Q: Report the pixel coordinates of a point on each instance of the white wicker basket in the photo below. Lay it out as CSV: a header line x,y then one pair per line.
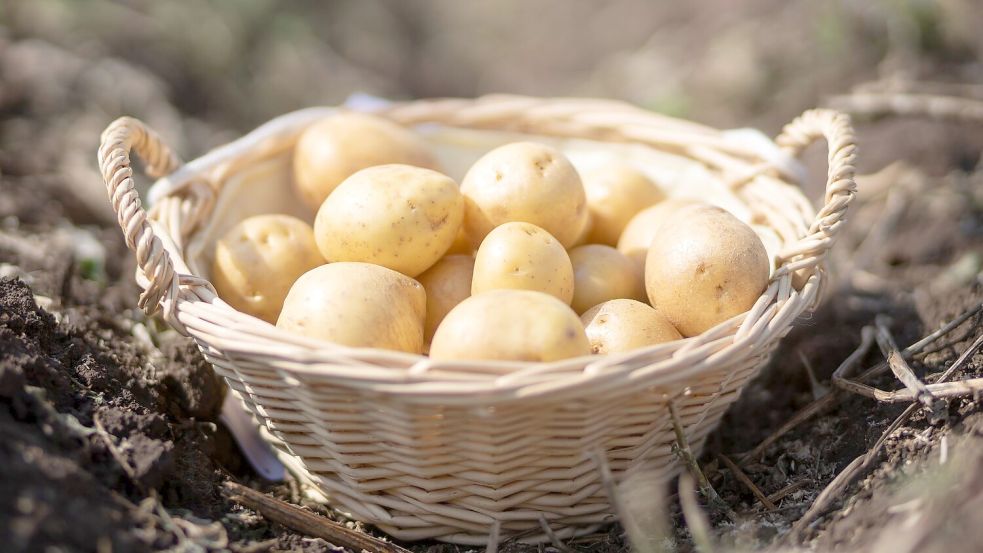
x,y
453,450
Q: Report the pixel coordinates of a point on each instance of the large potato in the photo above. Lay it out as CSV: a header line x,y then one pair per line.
x,y
527,182
359,305
522,256
514,325
615,193
623,325
258,260
397,216
447,284
638,233
333,149
602,273
704,267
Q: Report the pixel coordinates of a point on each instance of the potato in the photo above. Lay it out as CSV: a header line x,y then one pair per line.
x,y
359,305
525,182
333,149
447,284
602,273
637,236
522,256
258,260
615,193
513,325
397,216
623,325
704,267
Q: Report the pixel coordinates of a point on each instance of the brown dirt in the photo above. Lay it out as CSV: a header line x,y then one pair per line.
x,y
149,478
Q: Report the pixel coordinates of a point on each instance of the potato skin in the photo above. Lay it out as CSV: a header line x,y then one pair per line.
x,y
615,193
638,233
359,305
512,325
527,182
338,146
258,260
398,216
704,267
602,273
622,325
447,284
522,256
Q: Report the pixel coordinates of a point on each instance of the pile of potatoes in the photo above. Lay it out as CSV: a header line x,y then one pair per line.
x,y
525,260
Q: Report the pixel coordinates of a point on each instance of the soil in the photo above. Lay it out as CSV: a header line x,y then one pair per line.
x,y
109,430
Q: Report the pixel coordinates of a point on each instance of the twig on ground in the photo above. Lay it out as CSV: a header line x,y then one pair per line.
x,y
492,546
107,438
686,454
861,463
743,479
818,390
696,521
788,490
885,340
304,522
832,399
895,103
554,540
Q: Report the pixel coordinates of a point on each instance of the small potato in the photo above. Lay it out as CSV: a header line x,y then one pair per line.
x,y
704,267
359,305
447,283
602,273
401,217
258,260
333,149
622,325
615,193
513,325
522,256
637,236
527,182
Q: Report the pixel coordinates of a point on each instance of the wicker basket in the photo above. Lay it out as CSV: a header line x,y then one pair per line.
x,y
458,450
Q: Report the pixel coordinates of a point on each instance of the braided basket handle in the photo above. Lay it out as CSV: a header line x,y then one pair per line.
x,y
836,128
122,136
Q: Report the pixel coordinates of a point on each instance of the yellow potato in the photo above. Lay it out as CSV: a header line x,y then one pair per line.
x,y
514,325
637,236
258,260
622,325
461,245
447,283
333,149
522,256
401,217
615,193
359,305
704,267
602,273
527,182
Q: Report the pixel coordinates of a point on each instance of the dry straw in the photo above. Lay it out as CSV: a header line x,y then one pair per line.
x,y
454,450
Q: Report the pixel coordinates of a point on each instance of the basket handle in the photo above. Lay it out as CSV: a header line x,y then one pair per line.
x,y
809,252
119,138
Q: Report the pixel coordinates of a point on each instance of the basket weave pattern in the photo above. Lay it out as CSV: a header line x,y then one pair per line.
x,y
456,450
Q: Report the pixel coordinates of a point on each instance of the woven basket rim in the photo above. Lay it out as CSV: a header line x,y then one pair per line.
x,y
190,304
